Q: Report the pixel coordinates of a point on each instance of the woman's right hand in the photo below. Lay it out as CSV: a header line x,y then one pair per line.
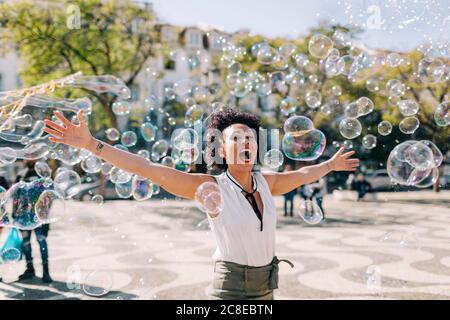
x,y
77,136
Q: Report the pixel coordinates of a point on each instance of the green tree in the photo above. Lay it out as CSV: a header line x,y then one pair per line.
x,y
57,38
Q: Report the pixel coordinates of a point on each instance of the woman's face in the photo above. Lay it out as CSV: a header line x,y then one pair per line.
x,y
239,147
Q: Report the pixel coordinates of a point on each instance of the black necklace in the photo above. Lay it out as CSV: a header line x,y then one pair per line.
x,y
250,197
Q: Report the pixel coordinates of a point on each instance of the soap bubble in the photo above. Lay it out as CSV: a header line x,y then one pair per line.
x,y
43,169
185,138
148,131
7,156
128,139
66,182
118,176
67,154
182,87
384,128
97,283
394,59
310,212
408,107
112,134
442,114
49,207
336,90
298,124
98,199
365,106
288,105
121,108
369,141
319,46
429,180
144,154
208,198
313,99
420,156
304,145
124,190
437,154
159,149
350,128
409,125
395,88
432,70
266,54
142,188
10,255
373,85
273,158
351,110
91,164
194,115
168,161
287,49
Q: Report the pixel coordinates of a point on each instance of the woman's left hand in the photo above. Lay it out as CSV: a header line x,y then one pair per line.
x,y
341,162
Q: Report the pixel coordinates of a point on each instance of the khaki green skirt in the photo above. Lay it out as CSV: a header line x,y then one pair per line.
x,y
234,281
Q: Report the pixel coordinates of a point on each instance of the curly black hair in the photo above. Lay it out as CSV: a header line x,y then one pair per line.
x,y
222,120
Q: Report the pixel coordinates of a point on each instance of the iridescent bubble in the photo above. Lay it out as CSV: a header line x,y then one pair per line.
x,y
128,139
394,59
159,149
169,94
350,128
408,107
67,154
241,86
185,138
91,164
287,49
288,105
442,114
429,180
310,212
148,131
97,283
365,106
112,134
208,198
301,60
304,145
144,154
348,144
66,183
142,188
313,99
151,103
420,156
118,176
273,158
409,125
10,255
298,124
50,207
334,66
319,46
121,108
373,85
234,67
384,128
194,115
106,168
369,141
345,63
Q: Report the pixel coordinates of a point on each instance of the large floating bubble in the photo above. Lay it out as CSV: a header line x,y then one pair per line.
x,y
73,105
103,84
97,283
304,146
43,169
412,163
67,183
208,198
310,212
273,158
7,156
185,138
91,164
409,125
408,107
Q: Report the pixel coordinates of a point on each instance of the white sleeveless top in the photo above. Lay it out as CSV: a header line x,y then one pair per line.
x,y
237,228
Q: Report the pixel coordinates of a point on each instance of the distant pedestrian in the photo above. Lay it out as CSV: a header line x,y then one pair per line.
x,y
362,186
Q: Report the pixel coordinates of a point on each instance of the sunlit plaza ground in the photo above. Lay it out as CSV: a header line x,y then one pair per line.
x,y
395,248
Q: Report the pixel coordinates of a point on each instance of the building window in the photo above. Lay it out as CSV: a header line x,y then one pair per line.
x,y
169,64
194,39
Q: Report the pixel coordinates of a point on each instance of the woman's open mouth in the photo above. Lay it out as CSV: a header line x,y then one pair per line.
x,y
245,156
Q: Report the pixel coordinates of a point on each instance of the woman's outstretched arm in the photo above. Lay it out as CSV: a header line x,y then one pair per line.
x,y
178,183
283,182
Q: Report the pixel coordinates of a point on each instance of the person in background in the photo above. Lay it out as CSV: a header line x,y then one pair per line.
x,y
41,232
5,185
319,191
289,196
350,181
362,186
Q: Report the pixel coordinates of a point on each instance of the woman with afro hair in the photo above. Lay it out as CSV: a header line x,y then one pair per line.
x,y
246,266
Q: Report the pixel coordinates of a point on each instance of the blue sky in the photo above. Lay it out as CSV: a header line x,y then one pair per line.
x,y
404,23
